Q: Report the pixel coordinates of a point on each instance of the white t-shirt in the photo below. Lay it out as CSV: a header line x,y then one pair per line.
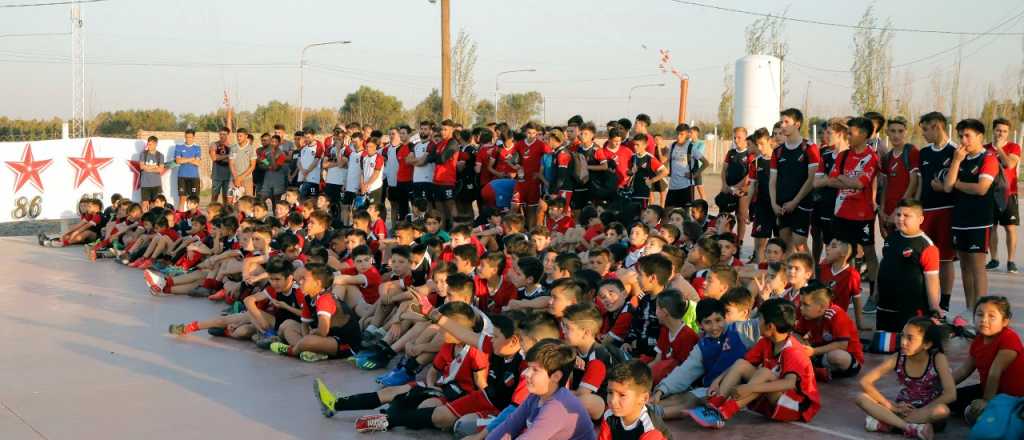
x,y
371,164
425,173
308,156
337,175
355,171
679,177
391,165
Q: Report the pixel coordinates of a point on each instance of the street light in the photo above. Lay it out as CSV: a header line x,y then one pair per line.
x,y
629,98
302,62
496,79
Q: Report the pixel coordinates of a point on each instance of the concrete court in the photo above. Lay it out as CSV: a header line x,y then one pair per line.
x,y
87,356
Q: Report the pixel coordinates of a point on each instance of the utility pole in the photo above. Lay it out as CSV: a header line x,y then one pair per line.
x,y
956,81
77,129
807,103
446,61
684,86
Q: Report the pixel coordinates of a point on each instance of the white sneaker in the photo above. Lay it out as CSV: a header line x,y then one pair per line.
x,y
155,281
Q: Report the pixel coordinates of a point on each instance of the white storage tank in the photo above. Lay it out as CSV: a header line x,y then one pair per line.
x,y
757,92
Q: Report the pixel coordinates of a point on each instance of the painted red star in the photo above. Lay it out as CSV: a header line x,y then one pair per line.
x,y
88,166
136,168
28,169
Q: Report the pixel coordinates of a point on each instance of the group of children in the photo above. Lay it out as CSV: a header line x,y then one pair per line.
x,y
577,328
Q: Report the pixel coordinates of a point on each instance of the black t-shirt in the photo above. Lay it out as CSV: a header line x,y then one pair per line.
x,y
642,169
762,173
825,198
975,211
932,164
792,168
901,284
736,165
644,330
502,379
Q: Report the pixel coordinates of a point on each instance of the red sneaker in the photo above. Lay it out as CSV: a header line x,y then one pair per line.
x,y
372,423
146,264
219,296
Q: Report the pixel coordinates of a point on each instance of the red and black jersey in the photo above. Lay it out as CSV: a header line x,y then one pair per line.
x,y
676,346
897,169
503,156
737,165
563,175
934,163
321,305
503,375
445,170
845,284
591,370
623,157
94,219
975,211
824,198
530,157
645,328
595,155
901,271
760,173
791,359
561,224
643,168
455,366
834,326
856,204
404,168
616,322
793,166
647,427
492,301
1010,173
483,155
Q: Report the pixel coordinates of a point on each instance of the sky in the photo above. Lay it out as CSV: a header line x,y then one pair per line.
x,y
181,55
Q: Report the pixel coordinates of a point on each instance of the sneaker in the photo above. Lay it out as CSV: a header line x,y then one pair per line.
x,y
707,417
325,397
218,296
146,264
1011,267
992,264
200,292
372,423
870,308
183,329
219,332
106,253
872,424
155,281
396,378
279,348
310,356
920,431
41,238
370,360
265,343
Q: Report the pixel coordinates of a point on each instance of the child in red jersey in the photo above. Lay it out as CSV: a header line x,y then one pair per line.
x,y
829,330
493,290
619,309
836,273
581,324
358,284
328,328
676,339
629,416
998,356
799,270
86,230
559,220
778,373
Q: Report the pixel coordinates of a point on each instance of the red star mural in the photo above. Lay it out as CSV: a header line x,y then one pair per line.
x,y
88,166
137,173
28,169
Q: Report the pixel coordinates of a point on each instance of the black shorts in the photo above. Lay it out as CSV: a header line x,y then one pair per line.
x,y
894,320
860,232
580,198
347,198
444,193
764,219
658,186
348,336
679,198
423,190
972,241
148,193
1011,215
852,371
399,193
798,221
188,186
823,226
333,193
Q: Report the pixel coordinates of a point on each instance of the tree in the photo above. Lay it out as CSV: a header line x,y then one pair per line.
x,y
322,120
274,112
725,106
429,109
371,106
464,62
484,112
872,65
766,36
129,122
518,108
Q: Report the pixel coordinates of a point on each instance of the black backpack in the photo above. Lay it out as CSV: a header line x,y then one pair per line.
x,y
999,191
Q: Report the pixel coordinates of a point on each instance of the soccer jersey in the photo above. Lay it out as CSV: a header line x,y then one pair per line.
x,y
834,326
371,288
503,158
561,224
897,169
975,211
530,159
793,166
493,300
591,370
405,169
616,322
455,365
373,164
737,165
622,157
337,175
643,167
676,345
644,330
423,173
856,204
313,307
901,272
355,170
483,155
824,198
310,155
1010,172
647,427
445,170
984,354
791,360
760,173
845,284
935,161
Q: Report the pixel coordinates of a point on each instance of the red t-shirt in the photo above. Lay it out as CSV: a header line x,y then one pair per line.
x,y
1012,380
1009,173
483,155
676,346
324,305
457,366
169,233
623,156
560,225
492,302
845,284
379,228
616,324
370,290
791,360
834,325
95,219
897,176
501,157
699,280
445,172
530,157
857,204
404,169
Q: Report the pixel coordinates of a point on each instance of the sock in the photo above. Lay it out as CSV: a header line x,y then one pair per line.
x,y
386,350
716,401
412,367
65,242
344,351
357,402
944,301
212,284
728,409
418,418
291,351
192,327
169,282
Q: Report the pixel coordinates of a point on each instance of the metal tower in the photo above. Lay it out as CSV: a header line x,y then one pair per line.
x,y
77,125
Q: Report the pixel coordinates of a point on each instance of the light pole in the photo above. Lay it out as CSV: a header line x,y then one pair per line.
x,y
496,79
302,62
446,59
629,98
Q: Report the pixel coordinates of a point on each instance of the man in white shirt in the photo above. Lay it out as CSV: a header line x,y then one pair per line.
x,y
423,173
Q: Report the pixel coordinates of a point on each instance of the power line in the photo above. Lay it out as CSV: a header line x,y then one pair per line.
x,y
839,25
40,34
33,5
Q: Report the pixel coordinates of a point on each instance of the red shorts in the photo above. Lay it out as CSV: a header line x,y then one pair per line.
x,y
475,402
786,409
526,193
938,226
662,368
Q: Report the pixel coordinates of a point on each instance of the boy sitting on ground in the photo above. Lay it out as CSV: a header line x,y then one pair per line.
x,y
328,328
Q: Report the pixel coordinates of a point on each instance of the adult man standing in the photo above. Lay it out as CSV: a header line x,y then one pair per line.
x,y
936,202
275,180
220,153
188,157
685,163
1009,157
243,162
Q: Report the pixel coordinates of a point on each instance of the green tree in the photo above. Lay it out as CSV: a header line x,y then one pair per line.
x,y
872,65
429,109
725,106
129,122
519,108
322,120
274,112
464,62
767,36
484,112
371,106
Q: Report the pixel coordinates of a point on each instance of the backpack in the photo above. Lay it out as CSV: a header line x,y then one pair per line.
x,y
1003,418
580,172
549,167
999,192
689,160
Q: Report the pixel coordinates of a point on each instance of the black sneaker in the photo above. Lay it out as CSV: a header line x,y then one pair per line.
x,y
216,331
870,307
1011,267
992,264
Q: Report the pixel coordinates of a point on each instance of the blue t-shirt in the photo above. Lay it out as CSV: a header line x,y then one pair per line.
x,y
187,152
